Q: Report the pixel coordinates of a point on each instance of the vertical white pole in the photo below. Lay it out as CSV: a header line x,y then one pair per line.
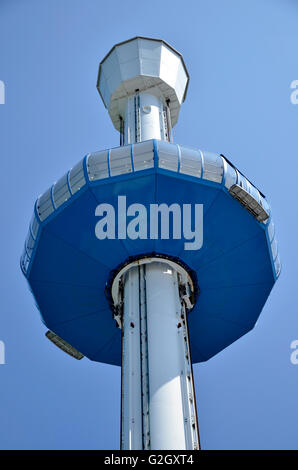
x,y
144,359
165,357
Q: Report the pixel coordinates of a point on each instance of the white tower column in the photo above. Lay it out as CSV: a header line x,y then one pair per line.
x,y
158,402
165,358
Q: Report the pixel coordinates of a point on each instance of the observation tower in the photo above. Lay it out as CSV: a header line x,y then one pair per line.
x,y
150,255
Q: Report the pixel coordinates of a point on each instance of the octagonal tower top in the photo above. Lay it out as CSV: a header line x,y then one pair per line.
x,y
139,77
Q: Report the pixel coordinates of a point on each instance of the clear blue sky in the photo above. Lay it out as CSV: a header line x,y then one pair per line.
x,y
242,58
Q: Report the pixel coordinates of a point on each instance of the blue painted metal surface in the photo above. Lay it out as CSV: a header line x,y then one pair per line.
x,y
67,267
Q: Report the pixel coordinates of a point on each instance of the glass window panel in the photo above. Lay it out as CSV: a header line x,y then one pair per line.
x,y
253,192
25,261
44,205
213,167
274,248
167,155
120,160
271,230
61,192
265,204
29,244
34,225
277,265
77,177
191,162
242,181
143,155
97,165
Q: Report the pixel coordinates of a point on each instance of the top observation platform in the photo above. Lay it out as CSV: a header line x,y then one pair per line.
x,y
152,73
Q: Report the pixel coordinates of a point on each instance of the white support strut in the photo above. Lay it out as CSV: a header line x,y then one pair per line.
x,y
158,402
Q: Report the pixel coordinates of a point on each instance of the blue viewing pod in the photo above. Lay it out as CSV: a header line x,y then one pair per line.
x,y
68,267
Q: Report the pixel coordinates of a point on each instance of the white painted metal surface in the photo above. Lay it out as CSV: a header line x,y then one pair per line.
x,y
158,402
144,359
165,358
131,425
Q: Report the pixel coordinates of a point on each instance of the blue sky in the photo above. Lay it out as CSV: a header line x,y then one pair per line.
x,y
242,58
